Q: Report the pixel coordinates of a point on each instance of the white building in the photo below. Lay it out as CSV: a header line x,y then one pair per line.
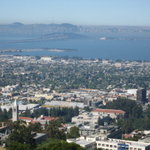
x,y
85,118
63,104
88,145
116,144
20,107
47,59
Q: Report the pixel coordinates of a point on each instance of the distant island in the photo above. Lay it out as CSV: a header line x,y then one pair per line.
x,y
58,50
122,38
62,36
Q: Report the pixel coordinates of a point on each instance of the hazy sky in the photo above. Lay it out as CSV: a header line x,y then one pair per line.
x,y
93,12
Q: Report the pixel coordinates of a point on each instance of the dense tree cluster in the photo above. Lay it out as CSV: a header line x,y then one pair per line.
x,y
21,137
52,130
132,109
65,113
5,115
73,133
135,117
20,134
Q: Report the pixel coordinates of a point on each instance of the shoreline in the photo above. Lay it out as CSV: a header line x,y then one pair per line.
x,y
58,50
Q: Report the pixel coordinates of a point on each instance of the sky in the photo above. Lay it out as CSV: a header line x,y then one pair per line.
x,y
82,12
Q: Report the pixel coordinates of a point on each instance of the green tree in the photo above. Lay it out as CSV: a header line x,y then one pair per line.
x,y
18,146
20,134
5,115
52,130
131,108
36,127
74,132
147,112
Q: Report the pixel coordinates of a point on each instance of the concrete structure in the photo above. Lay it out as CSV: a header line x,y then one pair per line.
x,y
116,144
101,131
88,145
85,118
39,137
63,104
15,111
21,107
132,91
30,107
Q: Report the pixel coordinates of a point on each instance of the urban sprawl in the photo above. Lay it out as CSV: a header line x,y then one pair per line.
x,y
95,103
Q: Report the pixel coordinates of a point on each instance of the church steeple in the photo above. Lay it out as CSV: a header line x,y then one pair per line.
x,y
15,111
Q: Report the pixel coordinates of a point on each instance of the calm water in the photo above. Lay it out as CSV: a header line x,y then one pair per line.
x,y
87,48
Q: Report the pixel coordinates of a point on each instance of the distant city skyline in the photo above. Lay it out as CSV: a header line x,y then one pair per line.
x,y
82,12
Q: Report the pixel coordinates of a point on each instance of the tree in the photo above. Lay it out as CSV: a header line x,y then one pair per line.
x,y
133,117
36,127
147,112
74,132
20,134
5,115
52,130
18,146
131,108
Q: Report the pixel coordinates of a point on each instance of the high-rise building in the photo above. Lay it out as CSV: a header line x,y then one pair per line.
x,y
141,96
15,111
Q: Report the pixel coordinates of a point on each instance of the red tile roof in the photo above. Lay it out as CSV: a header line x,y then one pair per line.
x,y
127,135
25,118
50,118
110,111
40,119
34,121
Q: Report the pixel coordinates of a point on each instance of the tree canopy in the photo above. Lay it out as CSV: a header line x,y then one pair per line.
x,y
131,108
135,117
20,134
74,132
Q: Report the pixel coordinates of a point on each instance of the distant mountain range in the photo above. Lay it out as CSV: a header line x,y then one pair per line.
x,y
18,28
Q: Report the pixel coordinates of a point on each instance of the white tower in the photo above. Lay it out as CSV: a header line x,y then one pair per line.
x,y
15,111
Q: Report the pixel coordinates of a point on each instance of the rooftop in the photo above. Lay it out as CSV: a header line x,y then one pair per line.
x,y
110,111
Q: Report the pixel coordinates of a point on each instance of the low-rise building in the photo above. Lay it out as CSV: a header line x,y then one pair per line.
x,y
101,131
39,137
114,144
43,120
112,113
85,118
88,145
63,104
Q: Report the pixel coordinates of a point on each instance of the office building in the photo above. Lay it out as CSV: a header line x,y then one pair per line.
x,y
141,96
